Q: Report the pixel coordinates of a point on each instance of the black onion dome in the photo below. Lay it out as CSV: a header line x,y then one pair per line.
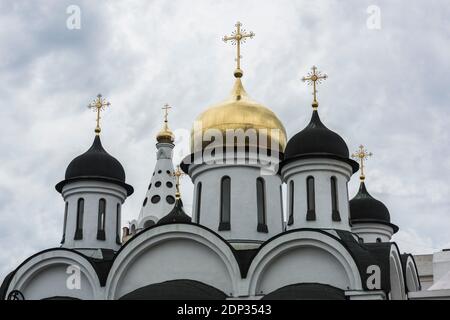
x,y
366,209
176,215
317,140
95,163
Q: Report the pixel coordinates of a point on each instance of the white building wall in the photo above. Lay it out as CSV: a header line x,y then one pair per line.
x,y
373,232
322,170
92,192
244,212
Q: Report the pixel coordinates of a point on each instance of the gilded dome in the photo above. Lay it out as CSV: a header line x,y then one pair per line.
x,y
239,112
165,136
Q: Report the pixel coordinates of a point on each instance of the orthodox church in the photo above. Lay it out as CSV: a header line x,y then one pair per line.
x,y
239,242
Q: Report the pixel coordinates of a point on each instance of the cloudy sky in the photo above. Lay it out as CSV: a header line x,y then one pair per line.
x,y
387,89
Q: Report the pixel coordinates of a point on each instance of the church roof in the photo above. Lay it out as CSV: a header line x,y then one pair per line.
x,y
306,291
176,215
97,164
365,208
176,290
316,140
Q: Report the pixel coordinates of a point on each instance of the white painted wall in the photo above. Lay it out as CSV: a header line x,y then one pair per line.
x,y
92,191
50,274
322,170
244,217
441,265
171,252
303,256
371,232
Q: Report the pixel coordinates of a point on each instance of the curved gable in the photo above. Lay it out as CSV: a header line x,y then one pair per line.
x,y
303,256
56,272
173,251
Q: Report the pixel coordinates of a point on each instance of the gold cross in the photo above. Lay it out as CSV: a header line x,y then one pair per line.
x,y
178,174
98,105
312,78
361,155
237,37
166,109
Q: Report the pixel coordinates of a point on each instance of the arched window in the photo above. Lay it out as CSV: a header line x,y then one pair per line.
x,y
80,213
261,205
311,201
225,204
334,200
291,203
65,222
118,226
101,219
199,202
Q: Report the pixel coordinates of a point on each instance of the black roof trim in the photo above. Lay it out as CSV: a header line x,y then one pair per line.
x,y
393,226
190,159
177,214
306,291
184,289
127,187
351,162
5,285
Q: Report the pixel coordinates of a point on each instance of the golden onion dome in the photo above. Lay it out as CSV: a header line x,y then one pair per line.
x,y
165,136
237,112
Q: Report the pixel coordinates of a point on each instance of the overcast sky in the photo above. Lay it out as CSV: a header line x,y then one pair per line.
x,y
387,89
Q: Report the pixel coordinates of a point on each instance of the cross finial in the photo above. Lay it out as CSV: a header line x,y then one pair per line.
x,y
98,105
361,155
178,174
237,37
166,109
312,78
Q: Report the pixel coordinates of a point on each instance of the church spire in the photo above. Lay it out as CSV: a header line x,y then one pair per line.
x,y
98,105
313,78
161,194
361,155
238,37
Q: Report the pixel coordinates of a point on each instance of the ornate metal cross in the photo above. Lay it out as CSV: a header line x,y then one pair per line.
x,y
361,155
178,174
237,37
98,105
312,78
166,109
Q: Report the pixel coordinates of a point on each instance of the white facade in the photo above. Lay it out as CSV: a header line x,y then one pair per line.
x,y
373,232
85,226
243,173
296,173
434,272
